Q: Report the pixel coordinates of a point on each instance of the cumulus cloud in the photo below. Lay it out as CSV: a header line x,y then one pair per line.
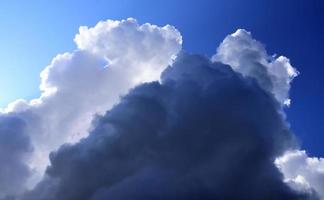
x,y
302,172
274,74
111,58
192,130
199,134
249,57
145,50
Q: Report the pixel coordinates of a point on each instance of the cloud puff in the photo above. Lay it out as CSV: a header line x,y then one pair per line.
x,y
302,172
199,134
111,58
145,50
249,57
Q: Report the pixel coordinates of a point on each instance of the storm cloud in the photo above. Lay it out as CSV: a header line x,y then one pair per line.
x,y
128,115
204,132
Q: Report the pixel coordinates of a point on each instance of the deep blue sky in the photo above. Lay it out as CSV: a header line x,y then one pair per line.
x,y
32,32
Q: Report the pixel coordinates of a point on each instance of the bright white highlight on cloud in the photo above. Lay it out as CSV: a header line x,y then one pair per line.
x,y
145,50
111,58
302,172
249,57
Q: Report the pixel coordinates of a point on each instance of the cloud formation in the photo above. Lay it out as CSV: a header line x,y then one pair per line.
x,y
192,130
196,135
302,172
111,58
274,74
249,57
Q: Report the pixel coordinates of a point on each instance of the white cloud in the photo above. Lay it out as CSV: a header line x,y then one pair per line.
x,y
249,57
302,172
111,58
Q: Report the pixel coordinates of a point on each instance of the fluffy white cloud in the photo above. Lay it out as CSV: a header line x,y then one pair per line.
x,y
111,58
145,50
302,172
249,57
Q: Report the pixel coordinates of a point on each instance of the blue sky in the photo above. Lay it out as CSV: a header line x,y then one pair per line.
x,y
33,32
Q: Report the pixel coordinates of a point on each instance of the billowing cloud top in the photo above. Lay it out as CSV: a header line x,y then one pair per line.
x,y
126,116
249,57
178,140
111,58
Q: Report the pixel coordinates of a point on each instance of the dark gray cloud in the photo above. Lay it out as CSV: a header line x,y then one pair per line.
x,y
14,150
204,132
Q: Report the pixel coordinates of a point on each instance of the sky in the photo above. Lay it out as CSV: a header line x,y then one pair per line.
x,y
34,32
